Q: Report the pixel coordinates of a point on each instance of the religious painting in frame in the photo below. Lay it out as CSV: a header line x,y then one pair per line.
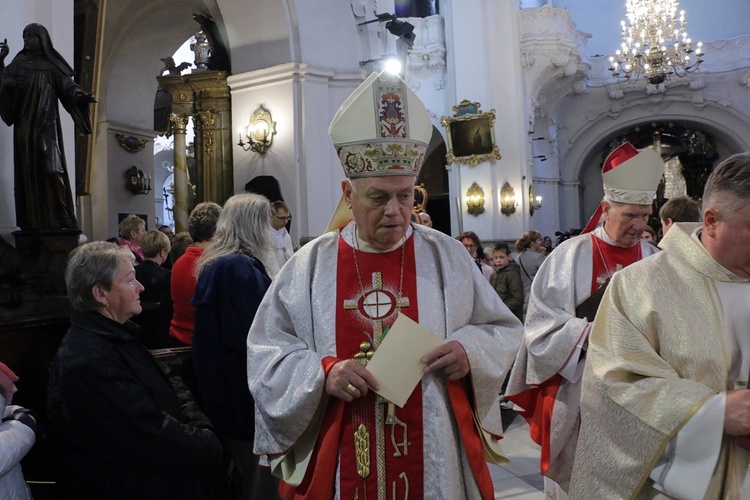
x,y
471,135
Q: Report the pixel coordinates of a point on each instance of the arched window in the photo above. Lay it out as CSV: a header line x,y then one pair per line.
x,y
416,8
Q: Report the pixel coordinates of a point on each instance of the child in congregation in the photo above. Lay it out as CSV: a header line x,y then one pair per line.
x,y
506,281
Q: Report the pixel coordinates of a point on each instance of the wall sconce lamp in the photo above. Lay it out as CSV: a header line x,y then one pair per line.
x,y
535,202
475,200
259,133
137,182
508,201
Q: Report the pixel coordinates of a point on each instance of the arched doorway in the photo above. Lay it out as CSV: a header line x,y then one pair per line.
x,y
435,179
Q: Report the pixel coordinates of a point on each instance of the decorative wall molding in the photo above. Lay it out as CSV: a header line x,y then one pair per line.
x,y
131,143
552,58
428,50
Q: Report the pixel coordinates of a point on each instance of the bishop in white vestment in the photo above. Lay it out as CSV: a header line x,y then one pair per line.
x,y
546,377
325,431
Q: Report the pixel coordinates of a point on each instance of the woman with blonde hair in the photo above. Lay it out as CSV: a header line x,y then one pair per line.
x,y
131,230
529,260
231,284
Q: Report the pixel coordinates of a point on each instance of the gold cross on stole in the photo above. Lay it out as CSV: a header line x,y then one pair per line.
x,y
376,305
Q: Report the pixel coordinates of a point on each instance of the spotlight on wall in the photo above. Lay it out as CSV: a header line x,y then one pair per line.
x,y
137,182
380,18
475,200
508,201
403,30
393,66
535,202
388,62
259,132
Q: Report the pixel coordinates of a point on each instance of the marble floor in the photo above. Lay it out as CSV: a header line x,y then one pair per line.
x,y
520,479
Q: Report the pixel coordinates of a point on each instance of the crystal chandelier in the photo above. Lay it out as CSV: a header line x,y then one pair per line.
x,y
655,43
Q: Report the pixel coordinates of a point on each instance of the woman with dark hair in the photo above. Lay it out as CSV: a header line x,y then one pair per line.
x,y
121,426
231,284
201,226
30,87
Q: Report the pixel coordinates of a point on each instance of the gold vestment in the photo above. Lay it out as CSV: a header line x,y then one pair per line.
x,y
656,353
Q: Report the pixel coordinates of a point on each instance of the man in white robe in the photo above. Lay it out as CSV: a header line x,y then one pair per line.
x,y
325,431
665,407
281,243
545,380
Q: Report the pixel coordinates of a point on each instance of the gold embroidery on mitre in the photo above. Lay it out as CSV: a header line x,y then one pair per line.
x,y
629,196
382,157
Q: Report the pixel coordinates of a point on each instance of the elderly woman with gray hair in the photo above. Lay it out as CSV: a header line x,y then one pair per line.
x,y
122,427
231,284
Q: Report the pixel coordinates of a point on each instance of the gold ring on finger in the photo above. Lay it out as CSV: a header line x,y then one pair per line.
x,y
350,389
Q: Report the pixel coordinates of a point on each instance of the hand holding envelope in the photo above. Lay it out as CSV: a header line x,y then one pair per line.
x,y
398,367
397,364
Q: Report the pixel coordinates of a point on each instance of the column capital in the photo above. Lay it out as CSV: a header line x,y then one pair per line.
x,y
179,122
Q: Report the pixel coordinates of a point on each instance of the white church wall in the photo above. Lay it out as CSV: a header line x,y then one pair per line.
x,y
482,39
302,100
57,17
271,88
258,33
328,35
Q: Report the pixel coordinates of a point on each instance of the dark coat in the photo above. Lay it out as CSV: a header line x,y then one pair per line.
x,y
156,296
507,284
226,299
156,282
122,427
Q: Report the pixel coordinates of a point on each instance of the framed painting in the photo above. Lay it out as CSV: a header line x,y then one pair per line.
x,y
471,136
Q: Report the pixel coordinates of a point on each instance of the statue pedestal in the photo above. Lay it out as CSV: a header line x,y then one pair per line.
x,y
44,255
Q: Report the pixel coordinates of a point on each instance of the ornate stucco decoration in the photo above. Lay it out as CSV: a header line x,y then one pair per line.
x,y
428,50
552,48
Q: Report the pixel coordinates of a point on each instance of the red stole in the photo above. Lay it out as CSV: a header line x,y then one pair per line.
x,y
380,275
539,401
608,257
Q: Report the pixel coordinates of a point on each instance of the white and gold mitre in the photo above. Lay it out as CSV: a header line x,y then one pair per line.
x,y
381,129
629,176
636,176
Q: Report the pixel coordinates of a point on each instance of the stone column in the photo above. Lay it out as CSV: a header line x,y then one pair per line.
x,y
179,123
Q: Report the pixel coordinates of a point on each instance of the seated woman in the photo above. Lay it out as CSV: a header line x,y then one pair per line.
x,y
122,428
231,285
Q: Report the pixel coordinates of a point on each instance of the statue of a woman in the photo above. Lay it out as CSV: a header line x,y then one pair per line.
x,y
30,87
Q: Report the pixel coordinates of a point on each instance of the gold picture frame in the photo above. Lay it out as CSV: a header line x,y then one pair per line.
x,y
471,134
